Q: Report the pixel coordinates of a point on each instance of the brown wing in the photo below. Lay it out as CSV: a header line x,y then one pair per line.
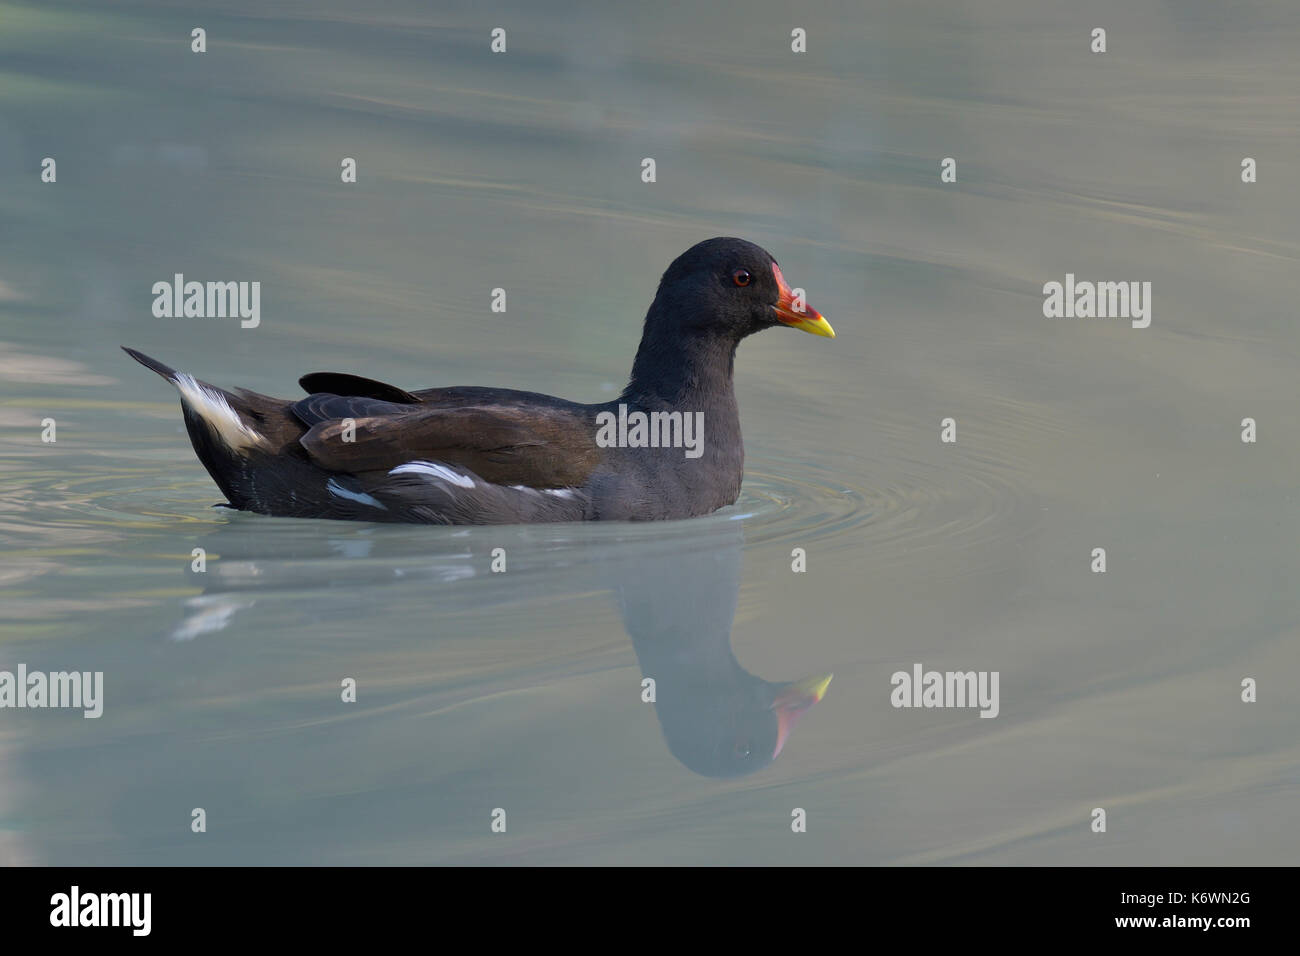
x,y
536,446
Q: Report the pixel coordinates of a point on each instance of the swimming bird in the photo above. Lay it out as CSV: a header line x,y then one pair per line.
x,y
668,447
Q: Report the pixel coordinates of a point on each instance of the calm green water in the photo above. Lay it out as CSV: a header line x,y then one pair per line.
x,y
522,690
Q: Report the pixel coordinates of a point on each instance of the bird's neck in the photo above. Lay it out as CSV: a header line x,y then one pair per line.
x,y
687,373
690,371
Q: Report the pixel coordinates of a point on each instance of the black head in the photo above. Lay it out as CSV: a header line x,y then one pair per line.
x,y
731,288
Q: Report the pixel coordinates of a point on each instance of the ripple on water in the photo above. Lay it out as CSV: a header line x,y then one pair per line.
x,y
898,503
889,507
897,508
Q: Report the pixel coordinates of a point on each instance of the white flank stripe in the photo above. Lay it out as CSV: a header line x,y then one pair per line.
x,y
430,469
338,491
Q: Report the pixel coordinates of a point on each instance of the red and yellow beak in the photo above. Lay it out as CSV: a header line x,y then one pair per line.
x,y
796,313
795,699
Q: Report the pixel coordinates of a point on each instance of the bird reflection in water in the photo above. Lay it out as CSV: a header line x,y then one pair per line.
x,y
678,605
677,596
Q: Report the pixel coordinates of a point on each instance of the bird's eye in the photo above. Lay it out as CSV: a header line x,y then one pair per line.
x,y
741,277
741,749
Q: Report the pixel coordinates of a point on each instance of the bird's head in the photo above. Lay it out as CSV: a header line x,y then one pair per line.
x,y
732,288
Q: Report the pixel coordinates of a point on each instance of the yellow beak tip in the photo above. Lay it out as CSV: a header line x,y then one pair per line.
x,y
814,687
820,327
820,690
817,326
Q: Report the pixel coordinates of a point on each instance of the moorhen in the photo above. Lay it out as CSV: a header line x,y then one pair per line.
x,y
668,447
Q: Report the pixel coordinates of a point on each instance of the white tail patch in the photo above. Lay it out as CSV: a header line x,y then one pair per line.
x,y
430,469
212,407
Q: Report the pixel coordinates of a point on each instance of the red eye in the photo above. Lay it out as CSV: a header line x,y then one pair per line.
x,y
741,277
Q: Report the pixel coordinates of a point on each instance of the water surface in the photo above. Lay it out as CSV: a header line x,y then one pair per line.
x,y
522,690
